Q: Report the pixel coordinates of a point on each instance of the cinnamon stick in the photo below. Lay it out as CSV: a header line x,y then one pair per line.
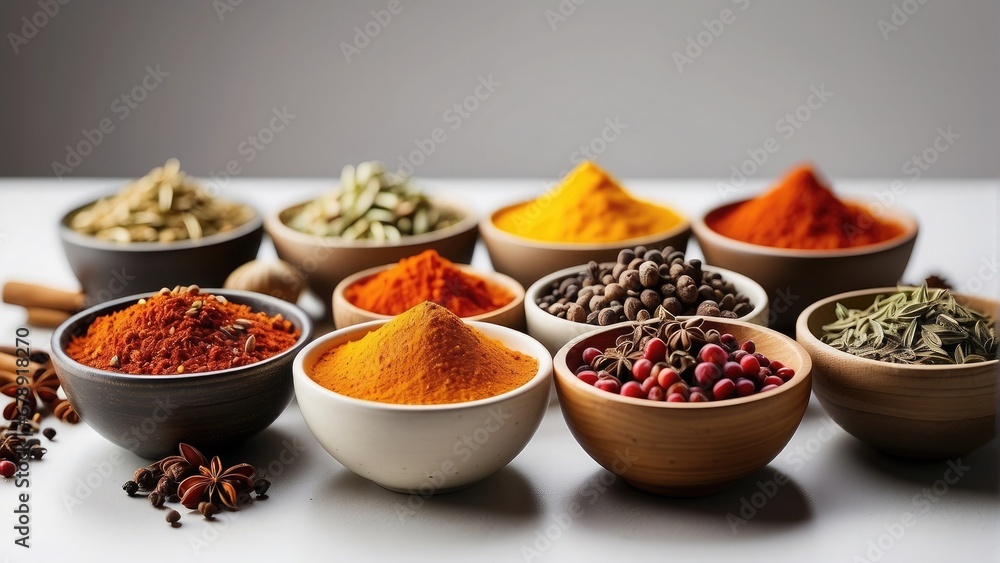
x,y
44,297
46,318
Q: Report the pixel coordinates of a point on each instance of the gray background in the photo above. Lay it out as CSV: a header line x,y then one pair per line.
x,y
607,60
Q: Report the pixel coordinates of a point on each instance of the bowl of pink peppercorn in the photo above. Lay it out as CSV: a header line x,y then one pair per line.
x,y
694,403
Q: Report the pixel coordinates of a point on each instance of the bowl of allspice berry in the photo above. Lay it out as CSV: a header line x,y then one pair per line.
x,y
164,228
206,367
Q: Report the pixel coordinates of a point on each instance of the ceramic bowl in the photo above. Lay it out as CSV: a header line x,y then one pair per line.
x,y
684,449
795,278
511,315
108,270
554,332
423,448
328,260
929,412
527,260
150,414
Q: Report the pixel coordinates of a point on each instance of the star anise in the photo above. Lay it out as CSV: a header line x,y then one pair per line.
x,y
618,360
176,467
217,485
10,447
682,335
42,386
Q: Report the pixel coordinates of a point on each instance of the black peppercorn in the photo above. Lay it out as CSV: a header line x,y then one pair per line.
x,y
130,487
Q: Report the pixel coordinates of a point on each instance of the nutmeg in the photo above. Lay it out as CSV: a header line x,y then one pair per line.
x,y
271,277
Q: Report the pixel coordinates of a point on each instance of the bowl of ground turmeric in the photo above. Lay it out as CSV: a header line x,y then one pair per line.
x,y
205,367
386,291
801,243
424,402
587,216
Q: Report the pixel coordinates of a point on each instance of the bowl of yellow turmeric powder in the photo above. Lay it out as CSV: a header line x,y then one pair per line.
x,y
425,402
587,216
801,243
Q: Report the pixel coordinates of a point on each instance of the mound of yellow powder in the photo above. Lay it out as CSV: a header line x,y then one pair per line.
x,y
589,205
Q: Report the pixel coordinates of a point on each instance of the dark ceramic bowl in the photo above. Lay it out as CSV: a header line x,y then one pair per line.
x,y
108,269
150,414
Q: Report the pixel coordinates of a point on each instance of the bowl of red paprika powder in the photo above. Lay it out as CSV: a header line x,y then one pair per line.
x,y
204,367
801,243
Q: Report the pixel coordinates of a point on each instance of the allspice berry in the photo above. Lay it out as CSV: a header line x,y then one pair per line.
x,y
173,517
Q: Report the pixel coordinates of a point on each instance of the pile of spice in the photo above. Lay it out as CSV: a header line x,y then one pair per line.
x,y
182,331
196,483
664,359
587,206
801,212
425,356
165,205
635,286
914,326
34,394
427,277
371,203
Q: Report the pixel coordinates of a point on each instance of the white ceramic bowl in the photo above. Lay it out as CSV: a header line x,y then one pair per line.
x,y
554,332
423,449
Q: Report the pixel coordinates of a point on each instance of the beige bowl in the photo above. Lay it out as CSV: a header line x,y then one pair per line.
x,y
684,449
795,278
511,315
423,449
554,332
527,260
327,260
929,412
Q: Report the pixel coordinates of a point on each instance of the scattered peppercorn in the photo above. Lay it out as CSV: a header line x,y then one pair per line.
x,y
207,509
261,486
173,517
130,487
49,433
155,499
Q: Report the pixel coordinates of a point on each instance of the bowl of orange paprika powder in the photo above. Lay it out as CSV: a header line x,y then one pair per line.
x,y
801,243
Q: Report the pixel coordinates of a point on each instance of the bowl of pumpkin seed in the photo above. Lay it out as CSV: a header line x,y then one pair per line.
x,y
162,229
373,217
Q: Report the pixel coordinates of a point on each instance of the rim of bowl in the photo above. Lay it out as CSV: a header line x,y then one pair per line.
x,y
487,224
802,331
799,378
901,217
288,310
275,224
760,299
66,232
501,279
544,373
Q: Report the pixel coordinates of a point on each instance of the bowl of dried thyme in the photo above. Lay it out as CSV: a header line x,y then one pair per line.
x,y
161,229
910,371
204,367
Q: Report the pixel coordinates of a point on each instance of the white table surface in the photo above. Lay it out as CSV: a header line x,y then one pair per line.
x,y
841,495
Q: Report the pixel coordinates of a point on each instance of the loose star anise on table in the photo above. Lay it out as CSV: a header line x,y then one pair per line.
x,y
41,386
217,485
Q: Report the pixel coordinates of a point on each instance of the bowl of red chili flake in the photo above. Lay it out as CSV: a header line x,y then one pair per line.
x,y
200,366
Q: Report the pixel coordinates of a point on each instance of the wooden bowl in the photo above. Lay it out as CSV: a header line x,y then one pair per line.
x,y
795,278
328,260
527,260
925,412
511,315
684,449
554,332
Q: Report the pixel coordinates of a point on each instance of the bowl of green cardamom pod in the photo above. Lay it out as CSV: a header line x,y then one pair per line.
x,y
374,217
910,371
